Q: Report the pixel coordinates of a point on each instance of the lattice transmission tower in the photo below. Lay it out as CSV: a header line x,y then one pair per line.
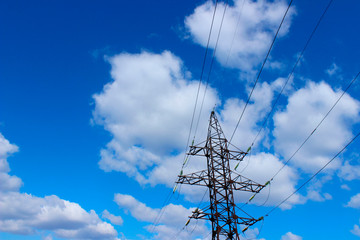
x,y
221,182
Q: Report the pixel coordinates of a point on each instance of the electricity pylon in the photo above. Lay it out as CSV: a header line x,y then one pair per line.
x,y
221,182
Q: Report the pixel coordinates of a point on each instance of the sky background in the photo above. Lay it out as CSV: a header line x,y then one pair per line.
x,y
96,100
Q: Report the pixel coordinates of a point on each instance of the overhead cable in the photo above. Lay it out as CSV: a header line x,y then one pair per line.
x,y
201,76
236,29
167,200
211,65
288,79
308,137
317,126
161,212
292,71
262,67
307,181
198,207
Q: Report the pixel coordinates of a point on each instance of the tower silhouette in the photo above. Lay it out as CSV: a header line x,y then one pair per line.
x,y
221,182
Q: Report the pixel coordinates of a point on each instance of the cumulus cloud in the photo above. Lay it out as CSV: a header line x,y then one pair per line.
x,y
305,108
261,168
314,192
48,237
291,236
143,148
248,29
333,69
150,128
317,196
116,220
143,125
147,109
169,225
349,172
22,213
255,113
356,230
253,233
354,202
145,87
6,148
7,183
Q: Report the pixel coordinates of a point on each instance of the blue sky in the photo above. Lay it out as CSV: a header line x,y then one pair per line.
x,y
96,100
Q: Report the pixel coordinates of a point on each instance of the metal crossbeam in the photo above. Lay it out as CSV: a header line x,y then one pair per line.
x,y
221,182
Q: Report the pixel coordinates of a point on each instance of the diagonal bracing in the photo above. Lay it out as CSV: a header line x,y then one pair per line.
x,y
221,182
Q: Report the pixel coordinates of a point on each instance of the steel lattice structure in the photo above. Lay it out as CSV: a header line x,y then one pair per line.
x,y
221,182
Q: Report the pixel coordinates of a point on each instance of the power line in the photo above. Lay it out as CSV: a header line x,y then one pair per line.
x,y
207,80
322,120
167,200
201,75
237,27
292,71
214,52
217,178
161,212
307,181
211,65
198,207
289,77
258,234
262,67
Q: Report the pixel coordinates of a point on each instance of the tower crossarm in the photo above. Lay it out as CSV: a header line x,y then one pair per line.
x,y
201,214
203,151
244,184
221,182
246,221
206,214
196,178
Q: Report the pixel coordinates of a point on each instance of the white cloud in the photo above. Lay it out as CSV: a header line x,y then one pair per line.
x,y
173,217
22,213
116,220
147,109
253,233
145,87
258,23
317,196
149,127
333,69
291,236
345,187
261,168
306,107
148,106
349,172
356,230
48,237
314,189
137,209
6,148
255,113
7,183
192,231
354,201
